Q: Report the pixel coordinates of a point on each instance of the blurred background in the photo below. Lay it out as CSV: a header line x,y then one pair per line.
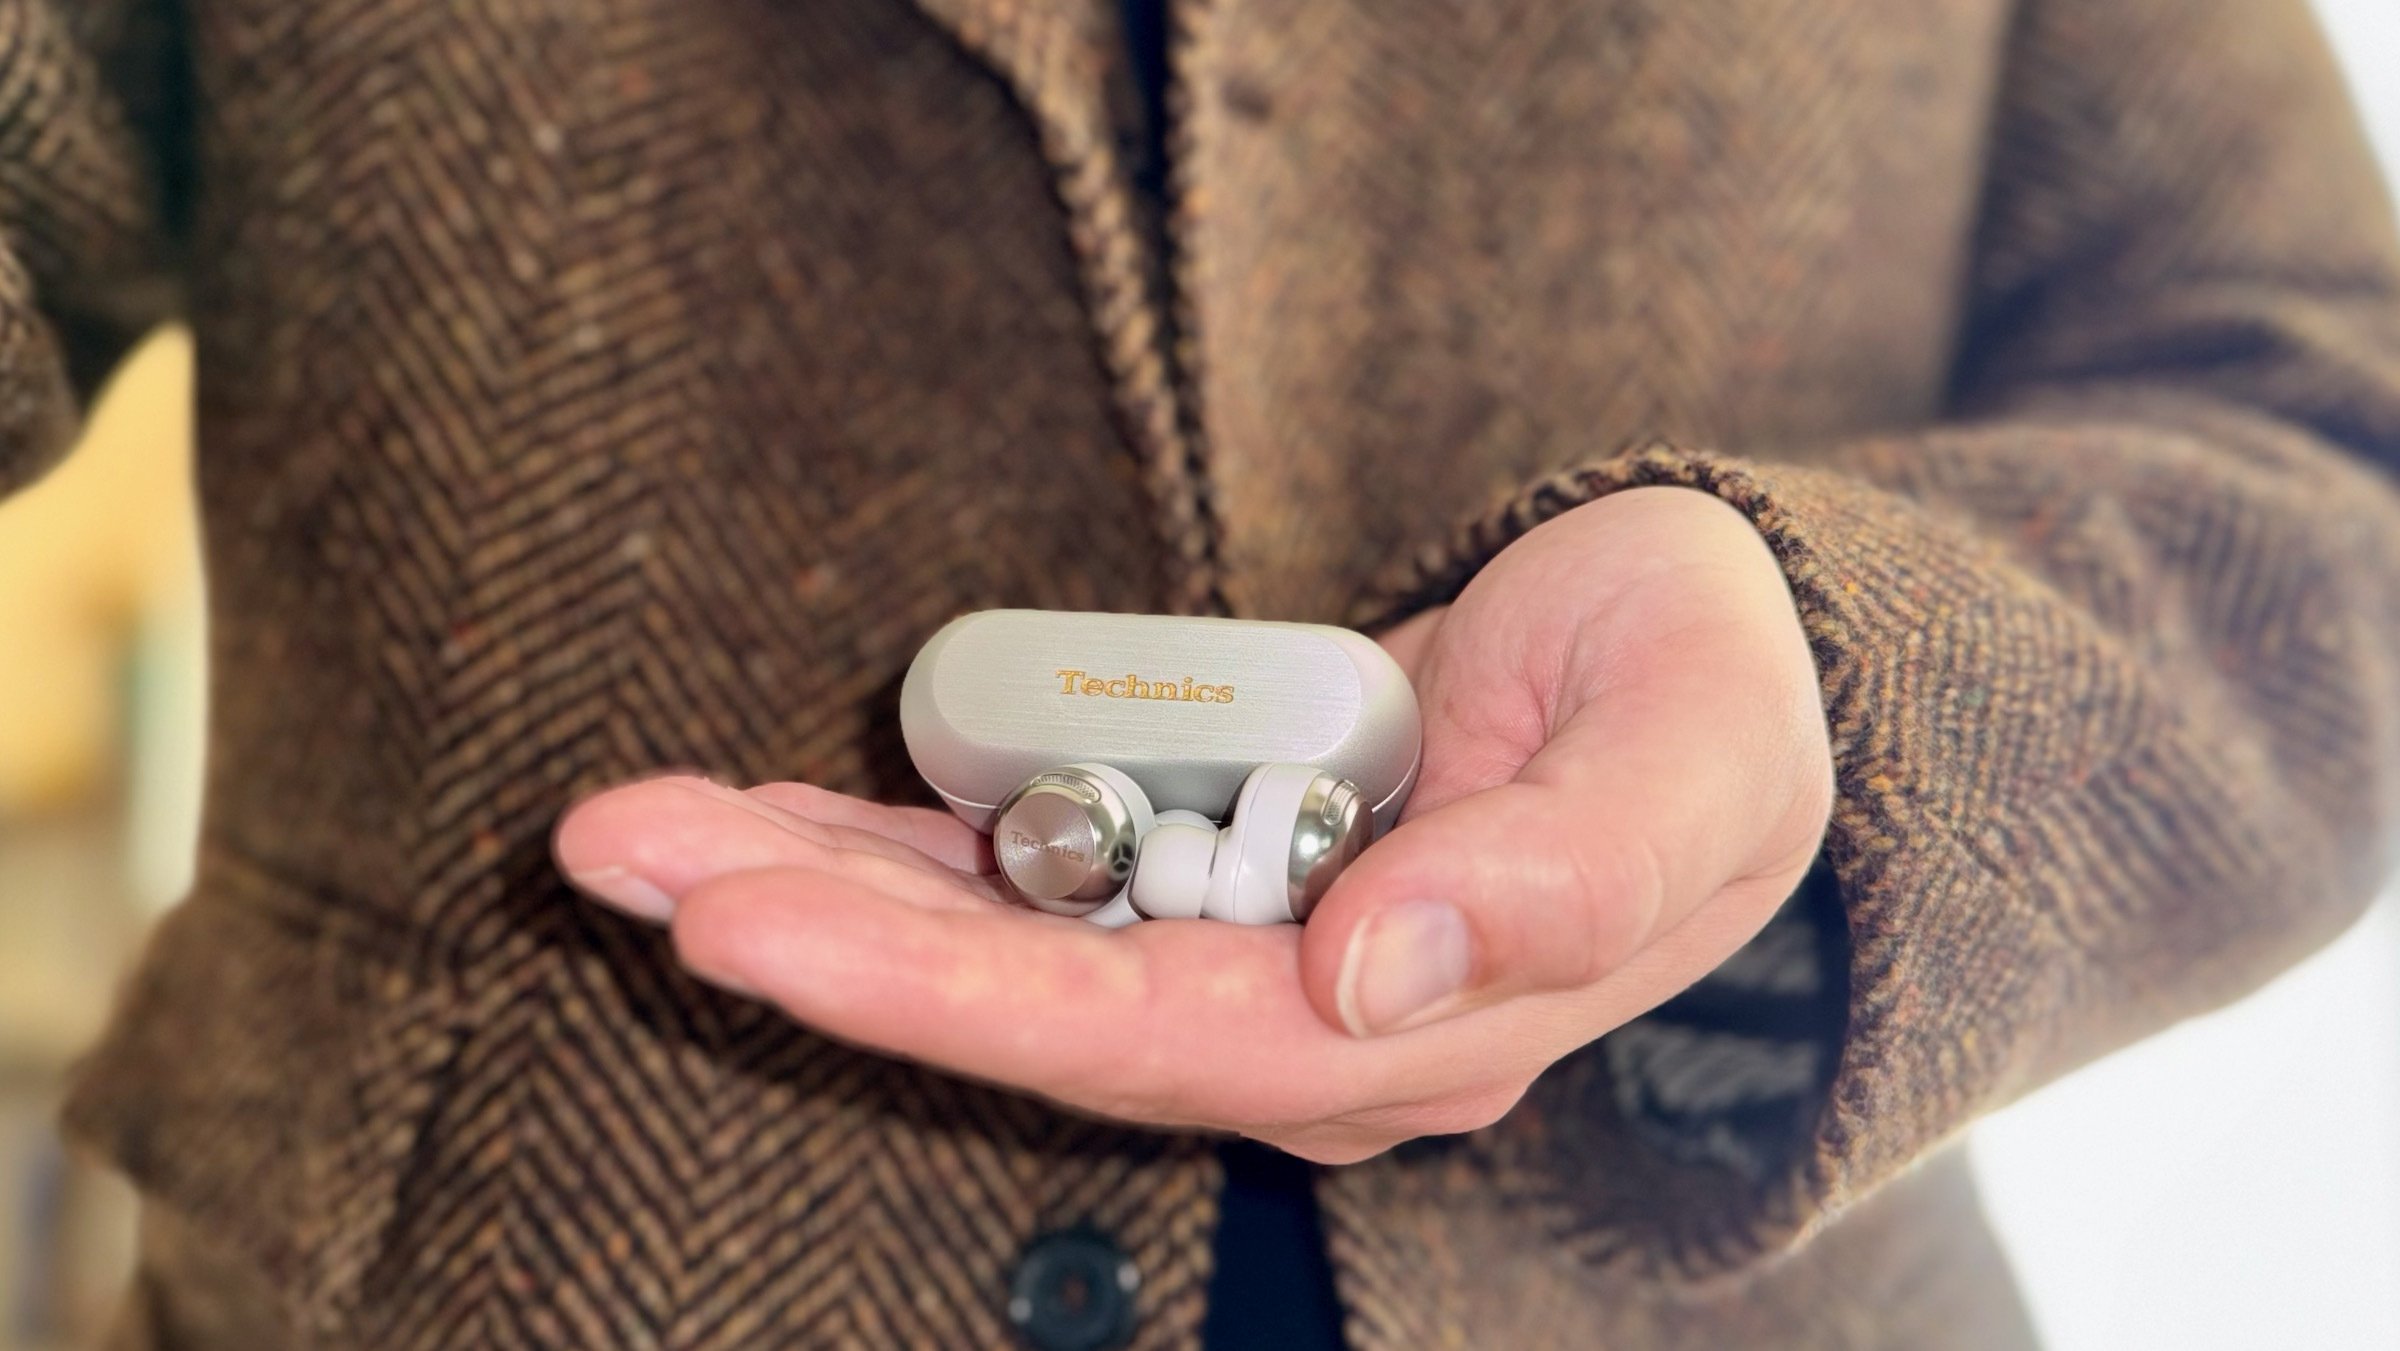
x,y
2233,1183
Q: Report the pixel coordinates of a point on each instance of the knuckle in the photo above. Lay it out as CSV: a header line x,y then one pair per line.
x,y
1474,1111
713,925
1135,1084
1131,1078
1617,890
1332,1149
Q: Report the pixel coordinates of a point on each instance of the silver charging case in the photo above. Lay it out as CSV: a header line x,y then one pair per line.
x,y
1186,707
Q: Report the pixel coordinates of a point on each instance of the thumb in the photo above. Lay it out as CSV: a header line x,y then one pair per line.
x,y
1646,802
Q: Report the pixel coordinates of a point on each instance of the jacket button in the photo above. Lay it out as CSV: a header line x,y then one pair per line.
x,y
1073,1291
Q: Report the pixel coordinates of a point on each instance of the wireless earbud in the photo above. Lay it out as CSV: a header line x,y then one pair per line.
x,y
1072,840
1067,838
1292,831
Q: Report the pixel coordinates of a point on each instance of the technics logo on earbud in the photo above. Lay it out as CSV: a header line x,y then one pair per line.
x,y
1134,687
1041,846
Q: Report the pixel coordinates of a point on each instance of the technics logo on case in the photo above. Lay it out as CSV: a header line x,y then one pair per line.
x,y
1079,683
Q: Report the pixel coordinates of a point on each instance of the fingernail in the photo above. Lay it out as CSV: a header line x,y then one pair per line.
x,y
627,891
1401,963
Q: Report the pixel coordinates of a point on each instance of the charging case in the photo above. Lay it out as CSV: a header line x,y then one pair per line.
x,y
1186,707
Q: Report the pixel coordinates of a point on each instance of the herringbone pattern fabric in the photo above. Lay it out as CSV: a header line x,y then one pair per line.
x,y
590,387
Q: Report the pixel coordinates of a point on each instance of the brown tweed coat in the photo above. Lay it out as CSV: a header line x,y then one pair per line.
x,y
587,387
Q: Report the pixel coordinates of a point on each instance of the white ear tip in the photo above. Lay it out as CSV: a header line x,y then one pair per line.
x,y
1170,881
1117,914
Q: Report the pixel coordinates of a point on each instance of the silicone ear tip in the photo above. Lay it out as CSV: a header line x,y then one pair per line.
x,y
1117,914
1170,880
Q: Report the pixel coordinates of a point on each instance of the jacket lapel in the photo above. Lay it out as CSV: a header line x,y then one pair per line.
x,y
1053,55
1057,56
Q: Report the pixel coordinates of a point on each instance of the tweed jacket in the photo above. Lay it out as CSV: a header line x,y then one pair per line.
x,y
590,387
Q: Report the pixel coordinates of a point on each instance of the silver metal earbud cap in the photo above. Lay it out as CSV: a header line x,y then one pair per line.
x,y
1065,840
1333,826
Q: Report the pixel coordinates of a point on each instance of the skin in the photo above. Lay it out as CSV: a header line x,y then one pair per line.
x,y
1626,770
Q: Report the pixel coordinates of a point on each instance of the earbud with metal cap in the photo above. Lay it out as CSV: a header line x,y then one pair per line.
x,y
1067,837
1292,830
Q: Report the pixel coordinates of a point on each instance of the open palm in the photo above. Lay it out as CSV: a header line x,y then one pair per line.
x,y
1625,770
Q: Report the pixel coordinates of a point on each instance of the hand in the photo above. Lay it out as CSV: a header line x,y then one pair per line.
x,y
1626,770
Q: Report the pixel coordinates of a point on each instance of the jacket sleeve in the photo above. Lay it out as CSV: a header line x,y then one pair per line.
x,y
89,111
2111,656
